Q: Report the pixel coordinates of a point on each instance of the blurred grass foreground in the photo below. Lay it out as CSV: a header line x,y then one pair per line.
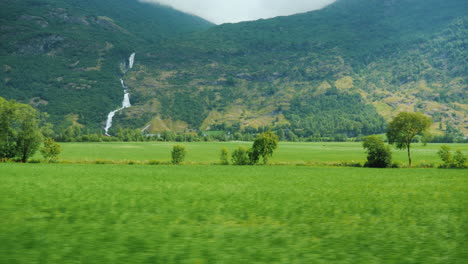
x,y
56,213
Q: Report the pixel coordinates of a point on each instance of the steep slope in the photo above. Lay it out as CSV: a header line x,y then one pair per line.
x,y
394,55
342,70
63,56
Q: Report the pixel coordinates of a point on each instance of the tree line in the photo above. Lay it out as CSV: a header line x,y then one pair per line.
x,y
223,132
23,131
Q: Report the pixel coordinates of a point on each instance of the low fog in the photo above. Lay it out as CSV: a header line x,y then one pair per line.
x,y
231,11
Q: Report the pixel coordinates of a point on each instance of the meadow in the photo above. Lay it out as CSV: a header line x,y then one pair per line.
x,y
60,213
323,153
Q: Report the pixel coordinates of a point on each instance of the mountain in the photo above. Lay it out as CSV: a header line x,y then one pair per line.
x,y
342,70
338,70
64,56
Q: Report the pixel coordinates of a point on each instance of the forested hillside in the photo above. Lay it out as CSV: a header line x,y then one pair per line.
x,y
298,72
64,56
343,70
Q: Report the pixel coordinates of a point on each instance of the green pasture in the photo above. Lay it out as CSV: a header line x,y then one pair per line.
x,y
59,213
208,152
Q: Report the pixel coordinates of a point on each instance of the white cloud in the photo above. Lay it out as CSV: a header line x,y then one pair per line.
x,y
225,11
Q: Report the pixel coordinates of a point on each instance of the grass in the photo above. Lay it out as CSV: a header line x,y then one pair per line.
x,y
56,213
208,152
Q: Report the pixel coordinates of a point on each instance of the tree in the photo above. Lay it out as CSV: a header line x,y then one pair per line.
x,y
178,154
378,155
50,150
224,156
263,146
46,127
240,156
29,136
405,127
20,135
8,111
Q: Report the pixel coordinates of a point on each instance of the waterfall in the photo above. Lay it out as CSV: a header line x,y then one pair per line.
x,y
131,60
109,121
126,99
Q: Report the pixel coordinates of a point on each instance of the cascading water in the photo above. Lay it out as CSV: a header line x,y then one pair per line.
x,y
131,60
126,99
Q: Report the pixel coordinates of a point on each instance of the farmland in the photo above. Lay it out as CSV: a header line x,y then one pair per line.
x,y
322,153
58,213
97,97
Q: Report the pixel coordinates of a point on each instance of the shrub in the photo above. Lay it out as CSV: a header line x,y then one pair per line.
x,y
445,155
178,154
459,160
240,156
426,165
352,164
224,157
102,162
378,155
50,150
449,160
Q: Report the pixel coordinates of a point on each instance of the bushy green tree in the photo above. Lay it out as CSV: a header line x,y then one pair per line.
x,y
46,127
405,127
378,155
178,154
20,135
224,156
240,156
127,135
263,146
8,111
50,149
29,136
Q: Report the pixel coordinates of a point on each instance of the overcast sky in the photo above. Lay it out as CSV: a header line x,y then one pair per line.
x,y
224,11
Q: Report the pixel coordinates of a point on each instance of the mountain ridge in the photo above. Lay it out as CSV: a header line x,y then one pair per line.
x,y
251,53
270,72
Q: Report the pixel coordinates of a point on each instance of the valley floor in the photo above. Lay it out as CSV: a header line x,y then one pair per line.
x,y
288,153
58,213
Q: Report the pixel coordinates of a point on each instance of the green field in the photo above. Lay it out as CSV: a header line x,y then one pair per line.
x,y
58,213
208,152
